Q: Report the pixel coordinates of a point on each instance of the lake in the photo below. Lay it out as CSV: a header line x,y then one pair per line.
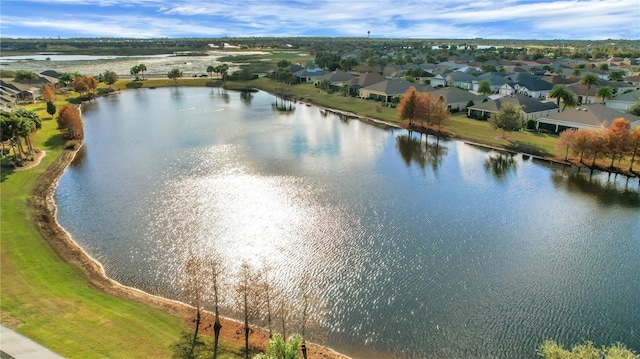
x,y
417,247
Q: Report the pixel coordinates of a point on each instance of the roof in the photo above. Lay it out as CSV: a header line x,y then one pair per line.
x,y
310,72
593,115
367,79
397,87
493,78
528,104
459,76
533,83
455,95
336,76
560,80
632,96
51,73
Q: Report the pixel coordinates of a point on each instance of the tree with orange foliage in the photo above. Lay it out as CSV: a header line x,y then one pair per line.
x,y
597,143
617,139
566,140
69,119
424,107
580,143
84,84
440,111
408,108
48,93
634,142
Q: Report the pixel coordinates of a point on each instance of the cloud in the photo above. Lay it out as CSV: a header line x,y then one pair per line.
x,y
545,19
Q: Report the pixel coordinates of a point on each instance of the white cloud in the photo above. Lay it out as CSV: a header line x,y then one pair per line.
x,y
384,18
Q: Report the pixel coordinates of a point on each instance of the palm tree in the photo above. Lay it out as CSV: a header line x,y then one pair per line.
x,y
570,100
605,93
142,68
576,72
589,80
135,70
211,70
559,92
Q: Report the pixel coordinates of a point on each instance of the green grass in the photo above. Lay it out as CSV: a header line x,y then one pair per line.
x,y
49,300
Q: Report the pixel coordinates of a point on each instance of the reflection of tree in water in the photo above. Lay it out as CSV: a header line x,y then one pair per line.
x,y
80,155
500,165
246,96
283,105
222,93
422,152
607,193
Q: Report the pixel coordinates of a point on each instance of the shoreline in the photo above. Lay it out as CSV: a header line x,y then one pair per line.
x,y
44,218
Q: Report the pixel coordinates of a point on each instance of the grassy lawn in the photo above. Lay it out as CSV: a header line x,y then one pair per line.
x,y
49,300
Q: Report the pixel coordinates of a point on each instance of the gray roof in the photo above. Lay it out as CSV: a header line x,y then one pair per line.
x,y
593,115
533,83
633,96
367,79
460,76
336,76
397,87
455,95
528,104
310,72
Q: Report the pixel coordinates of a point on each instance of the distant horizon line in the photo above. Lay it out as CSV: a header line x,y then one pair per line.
x,y
310,37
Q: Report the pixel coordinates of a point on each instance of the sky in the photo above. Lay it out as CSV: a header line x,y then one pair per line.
x,y
435,19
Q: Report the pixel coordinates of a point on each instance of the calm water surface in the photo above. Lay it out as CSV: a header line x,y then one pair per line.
x,y
420,248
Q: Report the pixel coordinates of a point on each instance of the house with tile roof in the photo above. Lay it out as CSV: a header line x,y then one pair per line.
x,y
389,89
624,101
585,116
495,81
364,80
531,108
532,86
457,99
336,78
308,75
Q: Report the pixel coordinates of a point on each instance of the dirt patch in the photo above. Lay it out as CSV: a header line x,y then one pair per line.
x,y
44,218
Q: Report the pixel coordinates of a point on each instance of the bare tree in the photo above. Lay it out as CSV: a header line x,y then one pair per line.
x,y
247,299
193,291
215,269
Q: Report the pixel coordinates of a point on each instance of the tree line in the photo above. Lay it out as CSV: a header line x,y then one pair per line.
x,y
616,142
252,294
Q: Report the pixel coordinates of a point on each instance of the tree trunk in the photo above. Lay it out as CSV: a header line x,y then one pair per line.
x,y
195,334
613,157
633,157
566,154
246,326
216,330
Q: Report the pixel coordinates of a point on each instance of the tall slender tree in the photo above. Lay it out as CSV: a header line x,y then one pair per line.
x,y
566,141
617,140
589,80
605,93
634,144
408,108
484,87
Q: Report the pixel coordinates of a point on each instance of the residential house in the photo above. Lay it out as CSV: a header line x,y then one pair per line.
x,y
366,79
457,99
439,81
507,89
337,79
8,100
532,86
531,108
585,116
624,101
460,79
633,80
24,93
495,81
308,75
389,89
